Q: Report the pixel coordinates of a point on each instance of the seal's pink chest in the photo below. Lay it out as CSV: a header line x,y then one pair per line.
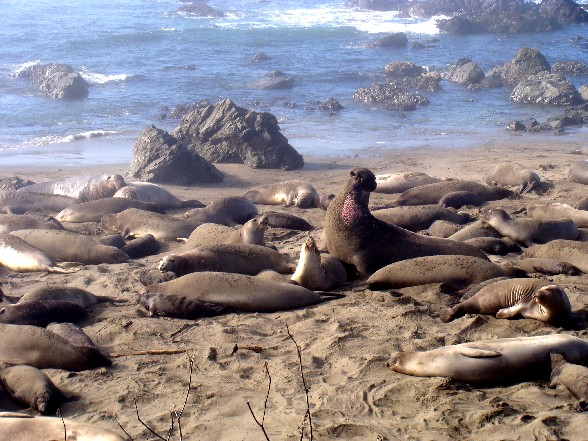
x,y
351,211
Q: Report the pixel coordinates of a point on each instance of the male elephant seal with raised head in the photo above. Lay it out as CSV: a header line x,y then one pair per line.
x,y
502,360
356,237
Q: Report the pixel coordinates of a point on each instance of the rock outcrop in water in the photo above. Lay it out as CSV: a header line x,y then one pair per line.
x,y
226,133
396,40
57,80
546,88
410,76
466,72
201,9
275,79
527,62
159,157
391,96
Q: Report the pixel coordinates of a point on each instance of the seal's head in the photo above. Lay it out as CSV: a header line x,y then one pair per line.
x,y
254,229
551,304
126,192
493,215
362,180
305,198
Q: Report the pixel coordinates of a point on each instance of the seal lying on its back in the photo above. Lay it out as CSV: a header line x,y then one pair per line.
x,y
356,237
299,193
399,182
85,188
229,210
15,202
512,174
13,222
318,272
154,194
572,376
503,360
92,211
531,298
198,294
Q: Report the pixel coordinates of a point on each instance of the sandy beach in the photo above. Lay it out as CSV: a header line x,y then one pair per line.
x,y
344,344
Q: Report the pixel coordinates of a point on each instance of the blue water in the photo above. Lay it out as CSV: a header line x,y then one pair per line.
x,y
133,51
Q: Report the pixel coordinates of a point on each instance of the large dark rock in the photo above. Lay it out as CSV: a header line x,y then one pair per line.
x,y
57,80
546,88
275,79
408,75
391,96
466,72
399,69
231,134
398,39
526,62
570,68
563,11
159,157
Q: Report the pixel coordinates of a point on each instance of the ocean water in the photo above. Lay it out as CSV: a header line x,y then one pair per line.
x,y
143,56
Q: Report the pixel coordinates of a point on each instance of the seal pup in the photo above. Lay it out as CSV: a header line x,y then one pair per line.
x,y
578,172
356,237
299,193
13,222
34,346
289,221
18,255
41,313
432,193
232,258
252,232
141,247
65,293
154,194
455,272
318,272
21,427
419,217
85,188
228,210
399,182
228,291
573,377
497,361
511,174
558,210
530,231
134,223
92,211
71,247
32,387
15,202
531,298
570,251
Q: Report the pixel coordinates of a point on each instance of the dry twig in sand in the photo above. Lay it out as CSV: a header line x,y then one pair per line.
x,y
269,386
306,390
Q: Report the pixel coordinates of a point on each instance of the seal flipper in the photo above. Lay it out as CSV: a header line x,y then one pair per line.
x,y
478,352
59,270
510,312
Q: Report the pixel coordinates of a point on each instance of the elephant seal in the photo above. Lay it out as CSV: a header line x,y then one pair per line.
x,y
356,237
458,199
558,210
92,211
475,229
318,272
85,188
154,194
34,346
325,199
71,247
18,255
143,246
399,182
529,231
511,174
419,217
15,202
13,222
432,193
578,172
71,332
32,387
497,361
289,221
112,240
212,234
229,210
456,272
227,291
530,298
137,223
441,228
570,251
41,313
233,258
42,428
287,193
550,267
582,204
65,293
573,377
494,245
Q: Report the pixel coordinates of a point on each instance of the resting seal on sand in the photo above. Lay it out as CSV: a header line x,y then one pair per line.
x,y
34,346
570,251
530,298
318,272
285,220
18,255
233,258
154,194
356,237
137,223
546,266
65,293
15,202
573,377
512,174
212,291
419,217
494,245
92,211
13,222
558,211
229,210
299,193
212,234
32,387
458,199
85,188
41,313
455,272
432,193
578,172
529,231
503,360
399,182
72,333
71,247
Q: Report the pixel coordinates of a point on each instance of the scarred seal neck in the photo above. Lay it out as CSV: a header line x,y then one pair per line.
x,y
355,207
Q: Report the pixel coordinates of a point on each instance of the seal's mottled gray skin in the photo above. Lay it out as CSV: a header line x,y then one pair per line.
x,y
92,211
41,313
155,194
16,202
85,188
13,222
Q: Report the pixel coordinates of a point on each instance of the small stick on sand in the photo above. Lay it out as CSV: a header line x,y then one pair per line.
x,y
254,348
150,352
269,386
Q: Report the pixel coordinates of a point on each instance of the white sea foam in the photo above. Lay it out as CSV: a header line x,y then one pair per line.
x,y
59,139
19,68
98,78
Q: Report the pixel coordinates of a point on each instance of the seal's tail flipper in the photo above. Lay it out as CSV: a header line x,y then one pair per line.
x,y
61,270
